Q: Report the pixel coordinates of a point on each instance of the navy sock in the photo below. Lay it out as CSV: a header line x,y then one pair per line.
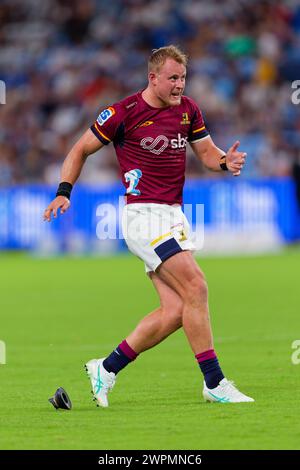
x,y
210,368
119,358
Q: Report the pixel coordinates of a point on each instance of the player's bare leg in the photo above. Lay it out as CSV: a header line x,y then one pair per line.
x,y
181,273
150,331
160,323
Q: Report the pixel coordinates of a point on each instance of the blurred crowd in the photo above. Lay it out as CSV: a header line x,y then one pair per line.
x,y
64,60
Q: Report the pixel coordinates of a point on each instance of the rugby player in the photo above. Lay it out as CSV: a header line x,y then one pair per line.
x,y
150,131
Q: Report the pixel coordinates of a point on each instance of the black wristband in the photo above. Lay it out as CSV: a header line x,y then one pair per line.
x,y
64,189
223,165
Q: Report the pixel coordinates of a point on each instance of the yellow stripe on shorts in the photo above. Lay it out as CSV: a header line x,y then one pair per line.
x,y
160,238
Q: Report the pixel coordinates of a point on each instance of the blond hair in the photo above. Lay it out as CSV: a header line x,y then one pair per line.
x,y
159,57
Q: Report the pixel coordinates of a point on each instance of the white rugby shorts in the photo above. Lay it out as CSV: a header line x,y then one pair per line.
x,y
155,232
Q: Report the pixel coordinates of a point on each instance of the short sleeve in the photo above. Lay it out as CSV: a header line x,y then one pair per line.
x,y
106,125
198,129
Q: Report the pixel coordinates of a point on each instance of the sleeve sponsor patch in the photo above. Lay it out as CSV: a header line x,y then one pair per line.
x,y
105,115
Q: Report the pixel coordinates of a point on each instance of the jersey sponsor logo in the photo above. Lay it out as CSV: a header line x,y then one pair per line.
x,y
185,118
179,143
158,145
133,177
105,115
146,123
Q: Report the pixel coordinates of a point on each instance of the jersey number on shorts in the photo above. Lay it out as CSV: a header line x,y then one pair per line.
x,y
133,177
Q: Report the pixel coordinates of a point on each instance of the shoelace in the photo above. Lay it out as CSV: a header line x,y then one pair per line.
x,y
107,385
230,388
110,382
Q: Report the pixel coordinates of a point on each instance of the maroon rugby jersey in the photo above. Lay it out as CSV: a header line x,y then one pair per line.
x,y
150,144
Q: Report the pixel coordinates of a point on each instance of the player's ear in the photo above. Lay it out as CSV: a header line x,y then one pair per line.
x,y
152,77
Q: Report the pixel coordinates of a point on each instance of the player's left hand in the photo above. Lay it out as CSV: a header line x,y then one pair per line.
x,y
235,160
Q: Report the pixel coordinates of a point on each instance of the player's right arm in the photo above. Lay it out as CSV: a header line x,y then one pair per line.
x,y
71,170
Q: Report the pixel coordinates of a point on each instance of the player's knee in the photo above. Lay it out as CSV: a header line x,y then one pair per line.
x,y
197,290
174,319
177,316
173,312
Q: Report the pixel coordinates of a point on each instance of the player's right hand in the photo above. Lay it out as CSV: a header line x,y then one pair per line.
x,y
60,202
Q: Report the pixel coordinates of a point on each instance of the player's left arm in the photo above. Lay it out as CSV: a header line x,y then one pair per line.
x,y
216,159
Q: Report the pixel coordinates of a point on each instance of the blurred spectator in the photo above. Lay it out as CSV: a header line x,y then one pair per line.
x,y
64,60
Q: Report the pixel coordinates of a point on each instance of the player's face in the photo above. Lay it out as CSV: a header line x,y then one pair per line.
x,y
169,83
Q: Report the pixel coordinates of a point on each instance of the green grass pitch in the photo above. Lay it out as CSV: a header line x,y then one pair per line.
x,y
56,314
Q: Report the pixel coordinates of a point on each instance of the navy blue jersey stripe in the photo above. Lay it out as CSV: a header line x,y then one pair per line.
x,y
198,135
94,130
